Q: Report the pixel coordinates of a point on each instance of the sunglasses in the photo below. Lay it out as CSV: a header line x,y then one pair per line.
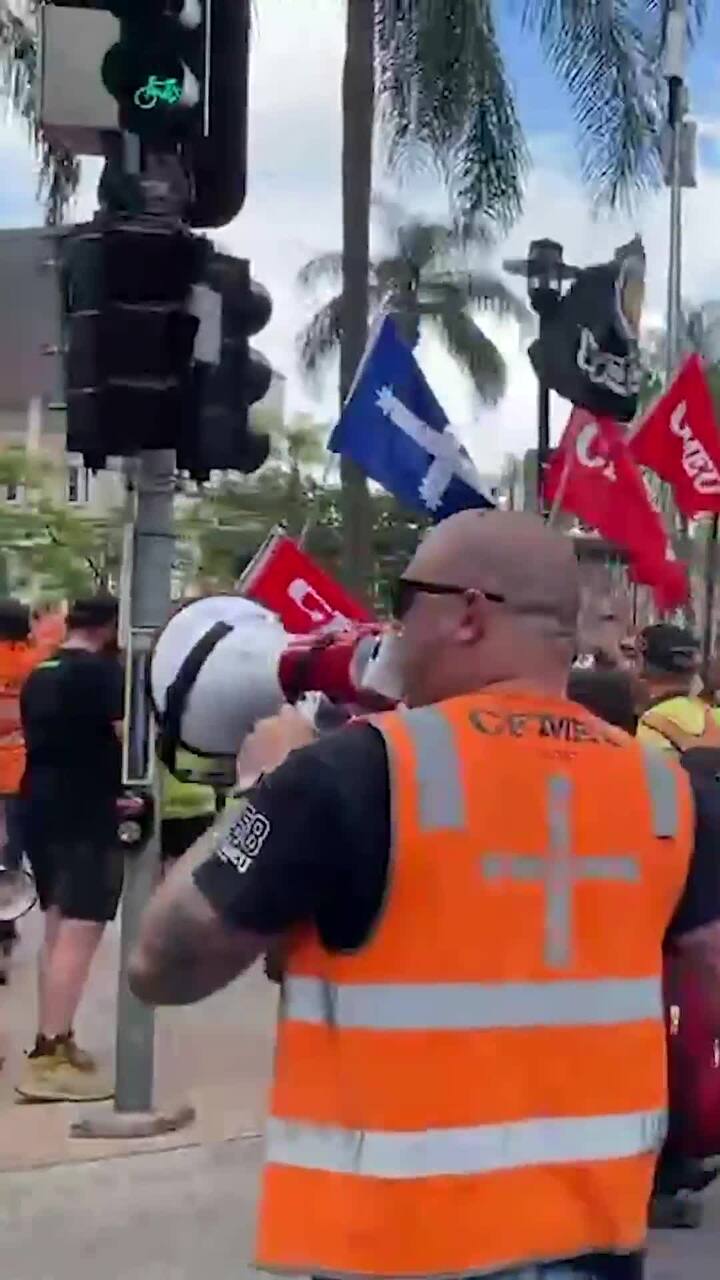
x,y
406,589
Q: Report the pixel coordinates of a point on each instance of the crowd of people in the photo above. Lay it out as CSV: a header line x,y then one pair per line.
x,y
471,903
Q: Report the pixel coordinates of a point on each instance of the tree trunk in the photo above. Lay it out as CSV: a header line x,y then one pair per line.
x,y
358,121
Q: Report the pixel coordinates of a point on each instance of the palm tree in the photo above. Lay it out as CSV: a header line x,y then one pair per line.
x,y
436,73
59,170
429,279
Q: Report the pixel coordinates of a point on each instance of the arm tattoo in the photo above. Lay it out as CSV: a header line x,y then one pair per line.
x,y
185,950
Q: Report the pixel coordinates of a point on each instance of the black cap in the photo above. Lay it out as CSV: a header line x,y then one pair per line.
x,y
92,612
668,648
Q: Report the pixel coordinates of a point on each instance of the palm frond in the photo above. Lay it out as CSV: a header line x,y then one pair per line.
x,y
326,267
390,275
476,354
481,289
607,54
320,338
421,243
443,90
59,170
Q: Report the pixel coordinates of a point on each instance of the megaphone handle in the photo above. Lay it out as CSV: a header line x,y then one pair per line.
x,y
297,665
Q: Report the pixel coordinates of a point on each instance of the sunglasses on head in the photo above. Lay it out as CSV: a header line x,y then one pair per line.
x,y
406,589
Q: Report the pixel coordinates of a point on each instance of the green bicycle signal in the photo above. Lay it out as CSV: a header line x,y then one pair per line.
x,y
156,90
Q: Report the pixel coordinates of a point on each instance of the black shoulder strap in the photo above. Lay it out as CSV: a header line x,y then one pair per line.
x,y
179,690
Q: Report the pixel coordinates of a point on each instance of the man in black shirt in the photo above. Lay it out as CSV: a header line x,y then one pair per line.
x,y
313,842
72,708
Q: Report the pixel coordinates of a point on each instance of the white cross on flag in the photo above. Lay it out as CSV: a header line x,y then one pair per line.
x,y
394,428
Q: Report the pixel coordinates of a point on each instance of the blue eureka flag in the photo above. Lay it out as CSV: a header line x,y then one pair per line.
x,y
394,428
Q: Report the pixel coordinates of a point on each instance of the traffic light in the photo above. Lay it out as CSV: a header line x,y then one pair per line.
x,y
226,392
172,72
157,70
217,159
129,336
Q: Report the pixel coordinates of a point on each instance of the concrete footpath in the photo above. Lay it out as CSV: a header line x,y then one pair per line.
x,y
179,1207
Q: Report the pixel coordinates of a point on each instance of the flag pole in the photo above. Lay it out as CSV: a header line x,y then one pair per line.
x,y
559,492
674,59
711,566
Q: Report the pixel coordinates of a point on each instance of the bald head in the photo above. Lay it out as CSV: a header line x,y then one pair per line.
x,y
507,609
512,554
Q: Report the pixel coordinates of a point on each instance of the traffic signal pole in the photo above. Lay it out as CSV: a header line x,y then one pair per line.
x,y
149,586
157,363
145,608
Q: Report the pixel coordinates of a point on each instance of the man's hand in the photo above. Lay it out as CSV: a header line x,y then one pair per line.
x,y
271,742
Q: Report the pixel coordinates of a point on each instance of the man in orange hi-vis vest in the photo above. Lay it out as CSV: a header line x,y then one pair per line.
x,y
18,655
472,895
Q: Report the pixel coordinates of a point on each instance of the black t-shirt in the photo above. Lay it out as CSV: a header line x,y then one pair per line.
x,y
315,845
69,705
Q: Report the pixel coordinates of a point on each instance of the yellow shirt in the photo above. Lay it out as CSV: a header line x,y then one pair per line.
x,y
687,713
184,799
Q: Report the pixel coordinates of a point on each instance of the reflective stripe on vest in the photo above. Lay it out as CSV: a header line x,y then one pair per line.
x,y
471,1006
477,1150
663,787
441,796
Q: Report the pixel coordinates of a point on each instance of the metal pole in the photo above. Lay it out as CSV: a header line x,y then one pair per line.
x,y
153,548
674,286
674,59
543,439
148,579
543,428
711,567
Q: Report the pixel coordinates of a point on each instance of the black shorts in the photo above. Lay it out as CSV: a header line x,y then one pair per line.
x,y
80,876
177,834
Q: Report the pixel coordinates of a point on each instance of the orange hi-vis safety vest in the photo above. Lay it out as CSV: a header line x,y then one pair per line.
x,y
482,1086
17,659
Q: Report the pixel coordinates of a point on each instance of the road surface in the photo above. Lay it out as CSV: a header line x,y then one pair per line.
x,y
180,1207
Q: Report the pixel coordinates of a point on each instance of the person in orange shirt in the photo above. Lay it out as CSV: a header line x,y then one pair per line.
x,y
18,655
472,893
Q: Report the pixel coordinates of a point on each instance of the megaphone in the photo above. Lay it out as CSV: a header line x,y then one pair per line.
x,y
224,662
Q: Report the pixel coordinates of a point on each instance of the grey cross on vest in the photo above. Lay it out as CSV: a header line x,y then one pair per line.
x,y
559,871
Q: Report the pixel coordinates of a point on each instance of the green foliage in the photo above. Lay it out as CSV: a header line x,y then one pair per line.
x,y
49,550
221,530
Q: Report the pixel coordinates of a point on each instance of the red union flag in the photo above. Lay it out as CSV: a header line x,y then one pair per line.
x,y
678,439
305,598
593,476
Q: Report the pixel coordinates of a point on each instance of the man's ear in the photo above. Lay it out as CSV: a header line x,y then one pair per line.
x,y
473,619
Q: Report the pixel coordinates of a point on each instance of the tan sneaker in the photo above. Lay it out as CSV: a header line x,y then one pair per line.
x,y
79,1058
53,1077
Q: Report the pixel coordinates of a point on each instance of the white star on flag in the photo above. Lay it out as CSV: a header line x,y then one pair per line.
x,y
448,457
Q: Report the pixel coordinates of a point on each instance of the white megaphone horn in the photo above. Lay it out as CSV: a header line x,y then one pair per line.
x,y
224,662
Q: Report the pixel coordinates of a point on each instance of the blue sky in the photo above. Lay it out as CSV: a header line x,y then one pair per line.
x,y
293,205
541,98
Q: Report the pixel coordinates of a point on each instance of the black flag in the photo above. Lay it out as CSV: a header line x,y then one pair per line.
x,y
588,348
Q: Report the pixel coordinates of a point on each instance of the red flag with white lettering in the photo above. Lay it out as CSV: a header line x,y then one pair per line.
x,y
289,582
593,476
678,439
